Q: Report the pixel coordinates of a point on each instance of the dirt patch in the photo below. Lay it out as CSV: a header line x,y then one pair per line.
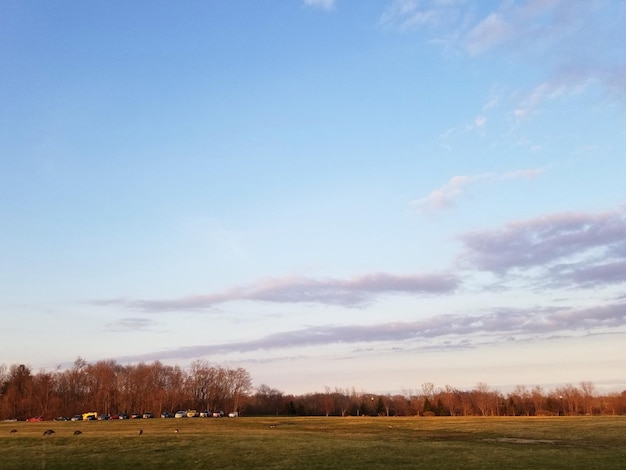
x,y
519,440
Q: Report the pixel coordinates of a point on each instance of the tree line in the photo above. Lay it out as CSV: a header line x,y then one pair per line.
x,y
429,400
108,387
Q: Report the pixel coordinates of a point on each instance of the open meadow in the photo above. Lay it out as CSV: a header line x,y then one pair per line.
x,y
319,443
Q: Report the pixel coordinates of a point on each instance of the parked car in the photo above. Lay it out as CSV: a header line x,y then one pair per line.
x,y
35,419
205,414
192,414
123,416
103,417
218,414
180,414
62,418
233,414
148,415
167,414
136,416
77,418
114,416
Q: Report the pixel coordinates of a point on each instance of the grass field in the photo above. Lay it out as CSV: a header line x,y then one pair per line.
x,y
319,443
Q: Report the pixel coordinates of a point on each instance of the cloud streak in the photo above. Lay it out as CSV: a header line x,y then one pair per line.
x,y
354,292
131,324
447,195
448,331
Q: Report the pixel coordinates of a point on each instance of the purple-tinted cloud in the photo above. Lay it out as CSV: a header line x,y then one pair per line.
x,y
589,275
351,292
132,324
546,240
449,330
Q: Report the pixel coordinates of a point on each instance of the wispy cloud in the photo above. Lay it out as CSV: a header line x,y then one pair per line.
x,y
560,85
491,31
412,14
580,247
354,292
447,195
131,324
448,331
576,38
529,173
480,122
324,4
523,26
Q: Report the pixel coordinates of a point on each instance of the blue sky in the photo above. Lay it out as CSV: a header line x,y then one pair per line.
x,y
328,193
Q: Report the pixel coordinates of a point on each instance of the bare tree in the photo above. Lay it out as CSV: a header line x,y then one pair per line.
x,y
4,373
101,377
538,399
427,397
428,390
570,399
175,379
450,396
387,402
239,385
342,400
519,401
588,391
329,405
269,400
17,392
202,381
466,400
413,401
43,392
482,398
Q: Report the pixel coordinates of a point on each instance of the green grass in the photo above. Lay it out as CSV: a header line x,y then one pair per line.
x,y
320,443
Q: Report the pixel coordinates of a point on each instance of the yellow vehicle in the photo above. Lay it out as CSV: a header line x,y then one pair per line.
x,y
92,415
192,413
